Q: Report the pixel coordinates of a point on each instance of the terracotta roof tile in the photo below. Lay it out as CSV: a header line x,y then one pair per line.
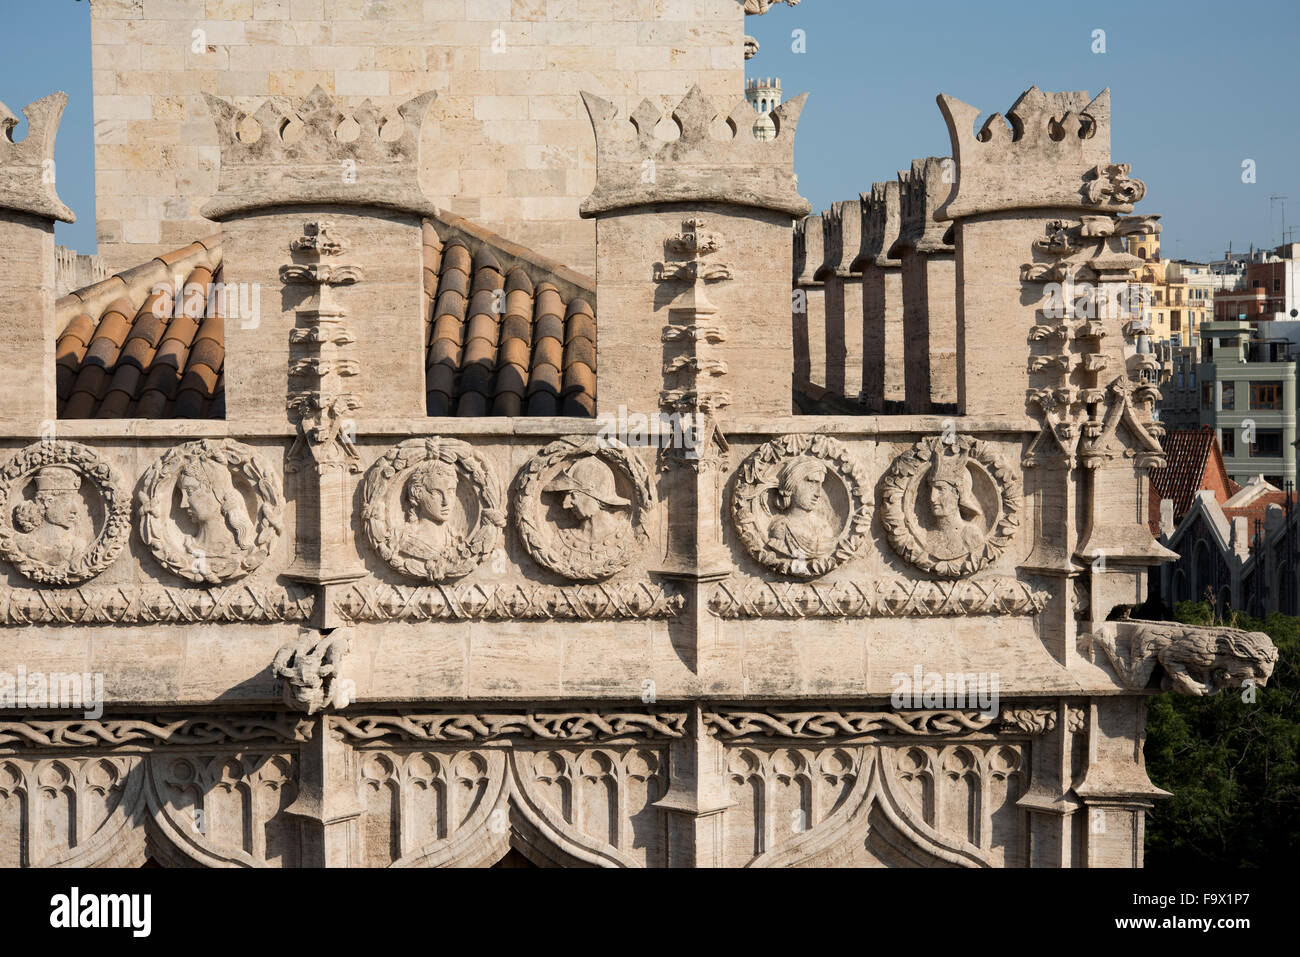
x,y
497,332
123,351
505,328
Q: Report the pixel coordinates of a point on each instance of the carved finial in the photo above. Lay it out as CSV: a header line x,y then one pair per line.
x,y
318,153
635,167
880,225
1043,154
27,167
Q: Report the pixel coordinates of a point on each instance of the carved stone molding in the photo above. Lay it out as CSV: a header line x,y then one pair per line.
x,y
388,729
735,725
216,481
127,605
972,505
51,537
154,730
609,601
309,671
886,598
582,474
785,516
1029,720
415,517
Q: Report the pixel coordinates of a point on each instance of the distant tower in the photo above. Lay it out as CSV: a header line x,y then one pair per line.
x,y
764,95
1147,247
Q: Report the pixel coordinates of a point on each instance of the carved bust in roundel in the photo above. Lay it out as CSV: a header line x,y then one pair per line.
x,y
572,516
210,511
799,505
66,513
432,508
950,505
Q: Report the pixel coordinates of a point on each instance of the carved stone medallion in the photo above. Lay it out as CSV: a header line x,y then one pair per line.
x,y
210,510
800,505
950,507
571,513
66,513
432,508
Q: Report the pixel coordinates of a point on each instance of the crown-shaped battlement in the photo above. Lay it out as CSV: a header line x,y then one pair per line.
x,y
1052,150
27,167
809,249
880,225
319,153
921,191
634,166
842,238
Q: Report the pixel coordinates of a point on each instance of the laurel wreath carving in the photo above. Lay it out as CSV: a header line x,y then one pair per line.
x,y
158,532
466,552
539,536
105,547
757,476
908,539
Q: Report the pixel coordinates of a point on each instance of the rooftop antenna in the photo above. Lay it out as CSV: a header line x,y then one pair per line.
x,y
1282,201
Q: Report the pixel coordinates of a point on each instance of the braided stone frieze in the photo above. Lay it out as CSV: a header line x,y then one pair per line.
x,y
584,726
885,598
157,605
831,724
112,732
514,602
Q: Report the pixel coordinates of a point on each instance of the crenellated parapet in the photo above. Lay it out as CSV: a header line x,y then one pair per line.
x,y
883,374
1051,150
634,166
320,151
27,171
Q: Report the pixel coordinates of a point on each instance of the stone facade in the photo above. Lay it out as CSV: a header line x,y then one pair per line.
x,y
507,145
333,630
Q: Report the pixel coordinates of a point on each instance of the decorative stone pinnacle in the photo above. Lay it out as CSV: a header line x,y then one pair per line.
x,y
809,249
880,225
27,167
921,191
319,153
1050,151
635,167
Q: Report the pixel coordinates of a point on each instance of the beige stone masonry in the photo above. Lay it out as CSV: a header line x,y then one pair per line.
x,y
883,362
842,284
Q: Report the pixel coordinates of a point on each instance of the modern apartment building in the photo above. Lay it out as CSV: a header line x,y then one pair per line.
x,y
1247,390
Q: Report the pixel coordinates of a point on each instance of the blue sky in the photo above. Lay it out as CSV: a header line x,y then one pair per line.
x,y
1196,88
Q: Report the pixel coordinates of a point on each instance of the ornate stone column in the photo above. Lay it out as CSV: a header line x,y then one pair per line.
x,y
929,283
696,798
29,207
321,216
883,388
694,255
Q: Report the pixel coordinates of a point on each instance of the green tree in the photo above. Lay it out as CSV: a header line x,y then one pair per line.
x,y
1233,765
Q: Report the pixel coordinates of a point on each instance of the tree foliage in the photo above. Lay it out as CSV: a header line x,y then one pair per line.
x,y
1233,765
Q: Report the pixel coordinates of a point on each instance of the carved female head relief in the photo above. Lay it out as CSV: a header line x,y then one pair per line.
x,y
66,513
432,508
210,510
799,505
950,505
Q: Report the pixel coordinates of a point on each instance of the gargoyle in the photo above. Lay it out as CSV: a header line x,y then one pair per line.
x,y
1197,659
309,668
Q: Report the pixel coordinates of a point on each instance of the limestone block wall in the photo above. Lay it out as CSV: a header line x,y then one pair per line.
x,y
507,144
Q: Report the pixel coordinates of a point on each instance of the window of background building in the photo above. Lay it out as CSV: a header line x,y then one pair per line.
x,y
1267,444
1229,396
1207,396
1266,395
1228,439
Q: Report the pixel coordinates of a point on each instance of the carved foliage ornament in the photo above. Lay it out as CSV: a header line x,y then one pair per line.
x,y
934,513
232,498
800,505
415,517
579,476
50,537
